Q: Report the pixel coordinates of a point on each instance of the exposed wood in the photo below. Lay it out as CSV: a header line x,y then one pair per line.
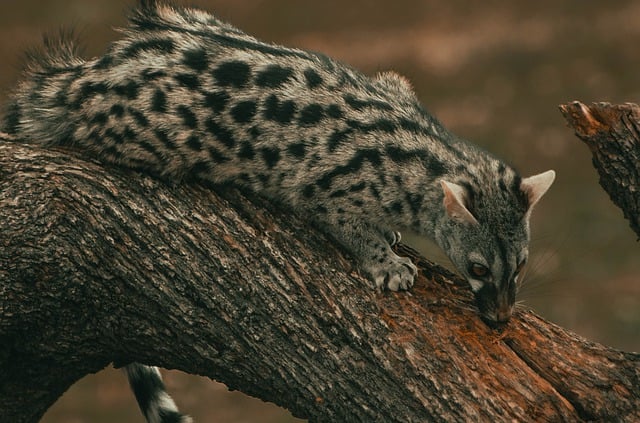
x,y
105,265
612,133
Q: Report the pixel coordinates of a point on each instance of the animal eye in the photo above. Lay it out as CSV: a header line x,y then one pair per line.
x,y
479,270
520,266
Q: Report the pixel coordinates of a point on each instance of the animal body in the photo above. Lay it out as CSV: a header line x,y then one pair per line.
x,y
184,95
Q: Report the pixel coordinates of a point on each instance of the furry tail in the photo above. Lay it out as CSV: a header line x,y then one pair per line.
x,y
156,405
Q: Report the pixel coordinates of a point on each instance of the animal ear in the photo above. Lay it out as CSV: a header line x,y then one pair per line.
x,y
535,186
454,203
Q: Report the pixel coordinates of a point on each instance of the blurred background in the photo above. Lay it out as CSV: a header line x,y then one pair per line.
x,y
493,72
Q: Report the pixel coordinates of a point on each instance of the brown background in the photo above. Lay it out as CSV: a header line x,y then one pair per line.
x,y
493,72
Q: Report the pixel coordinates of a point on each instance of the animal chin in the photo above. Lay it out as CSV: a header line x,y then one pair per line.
x,y
491,319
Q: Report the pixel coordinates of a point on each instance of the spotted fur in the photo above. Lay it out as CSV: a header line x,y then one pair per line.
x,y
184,95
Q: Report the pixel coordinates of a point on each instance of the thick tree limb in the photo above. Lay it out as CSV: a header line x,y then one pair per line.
x,y
102,265
612,133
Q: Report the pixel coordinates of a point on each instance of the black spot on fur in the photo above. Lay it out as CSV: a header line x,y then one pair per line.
x,y
522,198
297,150
380,125
194,143
151,149
397,207
436,167
311,114
384,125
338,193
415,202
114,136
313,78
374,191
201,167
216,101
159,101
246,151
104,62
273,76
255,132
128,90
335,111
138,116
130,135
113,152
502,185
410,125
232,74
338,137
95,136
162,45
357,187
502,169
87,91
217,156
117,110
164,137
356,162
196,59
271,156
308,191
188,80
221,133
244,111
60,99
281,112
360,105
189,118
99,118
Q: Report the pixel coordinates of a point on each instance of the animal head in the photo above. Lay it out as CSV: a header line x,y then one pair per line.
x,y
487,238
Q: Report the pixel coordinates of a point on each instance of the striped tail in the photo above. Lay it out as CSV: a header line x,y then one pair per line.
x,y
156,405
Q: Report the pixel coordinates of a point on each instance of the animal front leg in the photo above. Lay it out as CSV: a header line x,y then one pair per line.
x,y
371,248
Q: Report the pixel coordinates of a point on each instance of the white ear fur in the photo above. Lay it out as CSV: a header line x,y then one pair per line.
x,y
535,186
454,199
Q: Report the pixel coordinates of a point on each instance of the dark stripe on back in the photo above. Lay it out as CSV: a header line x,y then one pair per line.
x,y
227,40
353,165
435,166
164,45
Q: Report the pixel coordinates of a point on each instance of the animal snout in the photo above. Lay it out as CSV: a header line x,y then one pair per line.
x,y
503,314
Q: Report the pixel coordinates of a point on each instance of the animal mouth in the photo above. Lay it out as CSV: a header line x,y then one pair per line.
x,y
493,322
497,318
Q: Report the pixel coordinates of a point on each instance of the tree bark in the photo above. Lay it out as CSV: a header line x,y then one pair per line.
x,y
612,133
106,265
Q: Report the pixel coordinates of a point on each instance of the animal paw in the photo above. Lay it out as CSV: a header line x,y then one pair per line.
x,y
395,273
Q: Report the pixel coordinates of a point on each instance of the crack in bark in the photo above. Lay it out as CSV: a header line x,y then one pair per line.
x,y
583,414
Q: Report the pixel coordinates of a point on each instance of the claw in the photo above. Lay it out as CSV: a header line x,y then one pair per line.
x,y
397,273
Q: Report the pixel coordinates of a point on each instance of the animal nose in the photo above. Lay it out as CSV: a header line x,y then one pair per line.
x,y
503,314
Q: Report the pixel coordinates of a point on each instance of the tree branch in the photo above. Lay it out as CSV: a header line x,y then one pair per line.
x,y
612,133
105,265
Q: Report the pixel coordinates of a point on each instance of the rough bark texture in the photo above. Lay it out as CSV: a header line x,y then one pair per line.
x,y
612,133
105,265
